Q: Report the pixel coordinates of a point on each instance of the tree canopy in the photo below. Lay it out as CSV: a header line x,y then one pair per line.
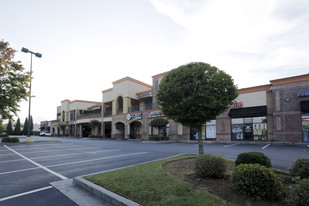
x,y
14,83
195,93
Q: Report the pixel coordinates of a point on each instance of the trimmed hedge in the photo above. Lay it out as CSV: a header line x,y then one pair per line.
x,y
300,168
253,158
210,166
299,194
157,138
10,139
256,182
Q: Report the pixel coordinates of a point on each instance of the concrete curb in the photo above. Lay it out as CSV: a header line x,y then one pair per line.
x,y
243,142
102,193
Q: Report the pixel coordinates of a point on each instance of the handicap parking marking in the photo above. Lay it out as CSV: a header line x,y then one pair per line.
x,y
265,146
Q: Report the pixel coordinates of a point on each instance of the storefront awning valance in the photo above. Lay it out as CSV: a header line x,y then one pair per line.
x,y
304,106
248,112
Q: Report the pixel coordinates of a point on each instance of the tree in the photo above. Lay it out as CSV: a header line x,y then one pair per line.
x,y
17,130
94,124
160,123
25,130
14,83
195,93
63,127
9,128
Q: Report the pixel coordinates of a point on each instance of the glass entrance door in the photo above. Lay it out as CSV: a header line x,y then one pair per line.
x,y
305,127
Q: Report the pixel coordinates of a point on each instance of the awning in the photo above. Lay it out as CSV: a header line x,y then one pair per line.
x,y
304,106
248,112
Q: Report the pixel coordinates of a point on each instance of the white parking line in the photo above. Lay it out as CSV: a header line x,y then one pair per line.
x,y
103,158
22,170
37,164
54,150
25,193
230,145
38,148
265,146
61,155
82,161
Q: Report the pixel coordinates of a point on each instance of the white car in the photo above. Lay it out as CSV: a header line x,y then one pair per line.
x,y
45,134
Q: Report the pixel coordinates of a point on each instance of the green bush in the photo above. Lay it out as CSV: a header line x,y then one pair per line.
x,y
14,139
210,166
256,181
8,139
158,138
300,168
4,135
253,158
299,194
154,138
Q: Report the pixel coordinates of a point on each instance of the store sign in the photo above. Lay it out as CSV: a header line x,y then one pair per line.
x,y
134,116
303,94
95,107
154,114
236,105
143,95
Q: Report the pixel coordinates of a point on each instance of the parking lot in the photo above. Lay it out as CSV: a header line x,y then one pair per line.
x,y
26,169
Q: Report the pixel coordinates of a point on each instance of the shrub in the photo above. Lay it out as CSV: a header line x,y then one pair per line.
x,y
253,158
4,135
6,139
154,138
256,181
299,194
300,168
210,166
14,139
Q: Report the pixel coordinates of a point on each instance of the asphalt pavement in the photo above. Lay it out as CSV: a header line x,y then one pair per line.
x,y
26,169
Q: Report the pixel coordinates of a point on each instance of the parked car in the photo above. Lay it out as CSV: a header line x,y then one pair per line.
x,y
45,134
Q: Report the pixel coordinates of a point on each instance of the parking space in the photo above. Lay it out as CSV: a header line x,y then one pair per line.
x,y
27,169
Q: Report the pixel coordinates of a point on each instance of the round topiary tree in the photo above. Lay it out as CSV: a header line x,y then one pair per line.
x,y
256,181
253,158
210,166
195,93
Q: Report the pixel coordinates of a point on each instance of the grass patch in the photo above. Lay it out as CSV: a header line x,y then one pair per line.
x,y
150,185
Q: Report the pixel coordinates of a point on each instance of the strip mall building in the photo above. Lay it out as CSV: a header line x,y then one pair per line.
x,y
277,112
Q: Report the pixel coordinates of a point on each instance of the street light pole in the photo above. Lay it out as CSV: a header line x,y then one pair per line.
x,y
28,139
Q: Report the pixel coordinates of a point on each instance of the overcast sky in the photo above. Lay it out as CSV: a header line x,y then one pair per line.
x,y
88,44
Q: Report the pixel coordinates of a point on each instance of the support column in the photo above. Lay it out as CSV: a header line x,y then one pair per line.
x,y
126,104
80,131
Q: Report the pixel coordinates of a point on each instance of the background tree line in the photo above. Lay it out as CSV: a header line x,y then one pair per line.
x,y
17,130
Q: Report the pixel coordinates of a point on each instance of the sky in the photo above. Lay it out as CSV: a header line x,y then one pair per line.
x,y
88,44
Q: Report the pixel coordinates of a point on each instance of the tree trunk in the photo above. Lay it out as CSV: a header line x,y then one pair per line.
x,y
200,141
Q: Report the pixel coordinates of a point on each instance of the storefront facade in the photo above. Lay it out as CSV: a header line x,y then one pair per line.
x,y
276,112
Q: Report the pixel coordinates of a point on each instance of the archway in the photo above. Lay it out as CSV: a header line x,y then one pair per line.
x,y
135,130
120,130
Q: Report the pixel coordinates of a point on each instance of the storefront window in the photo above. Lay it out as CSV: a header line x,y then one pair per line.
x,y
249,129
211,129
305,127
